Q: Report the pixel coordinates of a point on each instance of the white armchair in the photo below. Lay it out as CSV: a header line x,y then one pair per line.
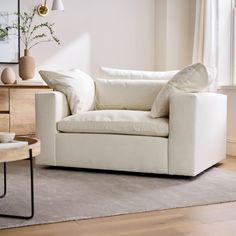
x,y
196,139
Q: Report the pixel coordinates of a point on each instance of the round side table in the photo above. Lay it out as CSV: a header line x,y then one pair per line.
x,y
21,148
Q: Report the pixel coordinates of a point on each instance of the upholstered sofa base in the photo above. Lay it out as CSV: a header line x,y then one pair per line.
x,y
111,152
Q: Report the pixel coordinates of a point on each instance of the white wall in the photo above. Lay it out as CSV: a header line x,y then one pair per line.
x,y
230,91
94,33
174,33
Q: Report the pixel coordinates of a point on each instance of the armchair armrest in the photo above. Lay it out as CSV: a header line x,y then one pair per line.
x,y
197,137
50,108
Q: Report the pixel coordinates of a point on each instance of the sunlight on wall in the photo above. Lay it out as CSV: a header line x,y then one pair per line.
x,y
100,33
76,54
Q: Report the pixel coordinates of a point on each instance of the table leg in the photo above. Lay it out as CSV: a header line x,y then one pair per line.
x,y
32,193
4,181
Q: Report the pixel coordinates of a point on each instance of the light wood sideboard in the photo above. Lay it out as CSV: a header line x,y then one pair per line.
x,y
17,108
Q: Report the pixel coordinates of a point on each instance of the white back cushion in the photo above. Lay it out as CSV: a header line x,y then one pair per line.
x,y
193,78
109,73
126,94
78,87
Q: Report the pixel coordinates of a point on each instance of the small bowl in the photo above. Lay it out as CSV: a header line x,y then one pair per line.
x,y
6,137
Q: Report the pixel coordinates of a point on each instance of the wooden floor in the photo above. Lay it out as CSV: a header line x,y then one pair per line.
x,y
212,220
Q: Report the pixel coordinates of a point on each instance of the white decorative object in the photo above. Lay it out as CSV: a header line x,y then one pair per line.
x,y
193,79
8,76
6,137
78,87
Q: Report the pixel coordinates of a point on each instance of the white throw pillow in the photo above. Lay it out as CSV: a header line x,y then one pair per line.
x,y
193,78
109,73
78,87
127,94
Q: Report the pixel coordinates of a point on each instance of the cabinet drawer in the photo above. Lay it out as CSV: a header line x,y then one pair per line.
x,y
4,99
4,123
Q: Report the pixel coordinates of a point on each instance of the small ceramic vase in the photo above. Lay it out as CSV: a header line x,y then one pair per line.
x,y
8,76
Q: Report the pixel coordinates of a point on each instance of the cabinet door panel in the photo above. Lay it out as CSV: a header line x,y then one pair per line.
x,y
4,123
22,110
4,99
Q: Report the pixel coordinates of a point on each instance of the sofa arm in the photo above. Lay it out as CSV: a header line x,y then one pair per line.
x,y
197,136
50,108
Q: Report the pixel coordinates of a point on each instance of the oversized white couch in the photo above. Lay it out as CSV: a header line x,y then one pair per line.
x,y
190,141
196,138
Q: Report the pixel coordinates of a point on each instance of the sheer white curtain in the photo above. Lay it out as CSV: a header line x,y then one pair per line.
x,y
205,48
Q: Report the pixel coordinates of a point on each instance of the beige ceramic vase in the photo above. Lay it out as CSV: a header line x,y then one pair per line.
x,y
8,76
27,66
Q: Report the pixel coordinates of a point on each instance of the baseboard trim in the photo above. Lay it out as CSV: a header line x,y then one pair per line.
x,y
231,147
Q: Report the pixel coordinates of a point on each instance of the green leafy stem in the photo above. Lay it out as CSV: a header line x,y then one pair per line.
x,y
32,35
3,33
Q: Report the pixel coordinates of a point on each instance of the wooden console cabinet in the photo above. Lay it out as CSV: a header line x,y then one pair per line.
x,y
17,108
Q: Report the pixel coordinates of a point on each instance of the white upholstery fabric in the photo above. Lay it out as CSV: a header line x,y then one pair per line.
x,y
115,122
212,78
197,138
76,85
127,94
50,108
112,152
193,78
110,73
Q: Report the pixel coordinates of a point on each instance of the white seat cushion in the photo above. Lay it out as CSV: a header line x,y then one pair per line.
x,y
115,122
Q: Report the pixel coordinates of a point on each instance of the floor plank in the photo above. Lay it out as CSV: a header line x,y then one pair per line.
x,y
217,220
66,228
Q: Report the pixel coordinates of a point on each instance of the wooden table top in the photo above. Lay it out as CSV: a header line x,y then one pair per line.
x,y
22,86
20,153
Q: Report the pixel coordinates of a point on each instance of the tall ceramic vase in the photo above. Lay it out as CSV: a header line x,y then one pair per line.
x,y
26,66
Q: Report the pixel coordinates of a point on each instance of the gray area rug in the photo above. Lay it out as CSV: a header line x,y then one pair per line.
x,y
69,194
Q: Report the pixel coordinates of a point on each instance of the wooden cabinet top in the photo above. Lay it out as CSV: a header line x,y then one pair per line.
x,y
20,86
